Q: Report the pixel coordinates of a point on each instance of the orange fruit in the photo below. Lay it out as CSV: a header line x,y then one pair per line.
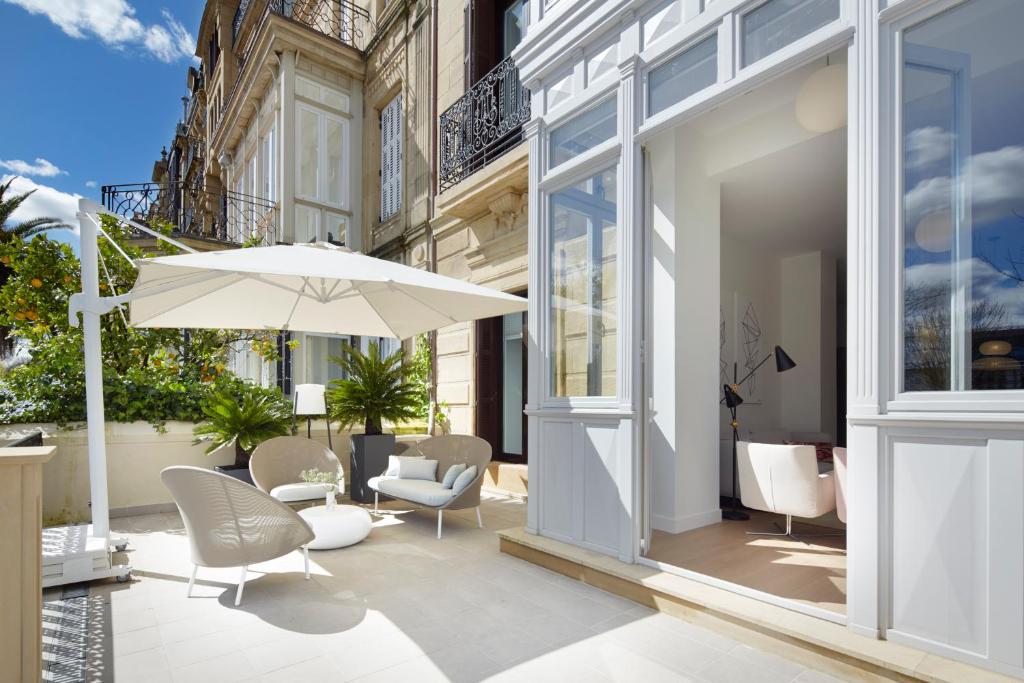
x,y
19,316
32,315
36,282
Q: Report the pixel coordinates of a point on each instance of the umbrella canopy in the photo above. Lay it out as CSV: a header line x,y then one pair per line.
x,y
307,288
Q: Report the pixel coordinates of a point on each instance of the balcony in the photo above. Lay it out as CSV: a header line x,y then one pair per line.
x,y
192,212
338,19
483,124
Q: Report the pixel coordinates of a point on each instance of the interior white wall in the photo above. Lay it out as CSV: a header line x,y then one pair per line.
x,y
685,283
662,434
756,275
808,334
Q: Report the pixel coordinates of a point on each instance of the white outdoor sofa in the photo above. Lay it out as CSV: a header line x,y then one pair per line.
x,y
447,450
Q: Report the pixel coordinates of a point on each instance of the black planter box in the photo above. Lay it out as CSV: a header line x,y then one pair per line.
x,y
369,459
236,472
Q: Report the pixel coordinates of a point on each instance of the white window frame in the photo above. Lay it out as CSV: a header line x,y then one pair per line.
x,y
268,164
895,21
391,152
322,189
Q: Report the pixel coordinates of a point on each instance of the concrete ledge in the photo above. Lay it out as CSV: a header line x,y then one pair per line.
x,y
816,643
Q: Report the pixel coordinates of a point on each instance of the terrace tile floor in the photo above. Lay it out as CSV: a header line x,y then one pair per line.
x,y
400,606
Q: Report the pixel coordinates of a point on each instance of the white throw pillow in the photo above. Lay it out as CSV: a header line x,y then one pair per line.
x,y
464,480
452,474
393,460
417,468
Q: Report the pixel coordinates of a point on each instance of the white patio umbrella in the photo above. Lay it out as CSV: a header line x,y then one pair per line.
x,y
305,287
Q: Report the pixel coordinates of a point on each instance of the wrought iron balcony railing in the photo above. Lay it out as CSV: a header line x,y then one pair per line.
x,y
339,19
483,124
191,211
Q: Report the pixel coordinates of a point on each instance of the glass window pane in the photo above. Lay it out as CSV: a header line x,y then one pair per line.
x,y
584,132
319,350
335,226
306,88
683,75
335,141
512,383
308,152
307,223
777,23
583,286
963,202
513,27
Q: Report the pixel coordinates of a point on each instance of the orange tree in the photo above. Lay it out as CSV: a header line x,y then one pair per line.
x,y
153,375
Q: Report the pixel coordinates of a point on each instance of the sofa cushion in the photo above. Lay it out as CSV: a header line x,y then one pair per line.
x,y
452,474
291,493
429,493
464,480
417,468
393,461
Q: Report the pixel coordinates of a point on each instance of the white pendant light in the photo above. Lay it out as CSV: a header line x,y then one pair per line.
x,y
934,232
821,102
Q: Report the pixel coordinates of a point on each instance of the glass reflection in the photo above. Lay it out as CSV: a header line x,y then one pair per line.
x,y
963,202
583,283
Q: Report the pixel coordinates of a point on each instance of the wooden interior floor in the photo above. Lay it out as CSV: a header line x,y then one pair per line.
x,y
813,573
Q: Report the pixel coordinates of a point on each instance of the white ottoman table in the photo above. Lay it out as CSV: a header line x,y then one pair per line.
x,y
337,528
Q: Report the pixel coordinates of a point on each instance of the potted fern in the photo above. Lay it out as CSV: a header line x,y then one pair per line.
x,y
246,417
375,389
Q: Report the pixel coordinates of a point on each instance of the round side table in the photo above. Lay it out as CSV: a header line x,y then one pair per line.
x,y
344,525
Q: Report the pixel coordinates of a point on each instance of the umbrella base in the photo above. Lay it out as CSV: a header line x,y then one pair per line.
x,y
73,553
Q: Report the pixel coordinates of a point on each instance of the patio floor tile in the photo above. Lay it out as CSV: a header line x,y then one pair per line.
x,y
400,606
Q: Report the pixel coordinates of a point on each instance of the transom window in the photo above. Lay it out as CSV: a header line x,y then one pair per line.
x,y
683,75
583,132
963,199
777,23
583,282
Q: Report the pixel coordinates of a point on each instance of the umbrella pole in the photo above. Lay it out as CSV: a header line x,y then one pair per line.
x,y
94,378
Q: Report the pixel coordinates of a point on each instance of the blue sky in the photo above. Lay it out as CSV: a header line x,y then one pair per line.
x,y
93,91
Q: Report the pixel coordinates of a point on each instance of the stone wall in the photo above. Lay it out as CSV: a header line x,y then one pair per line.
x,y
136,454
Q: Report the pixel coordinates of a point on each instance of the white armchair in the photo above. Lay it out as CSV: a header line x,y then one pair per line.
x,y
784,480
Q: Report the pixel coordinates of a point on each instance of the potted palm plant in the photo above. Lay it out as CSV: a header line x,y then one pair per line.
x,y
246,418
375,389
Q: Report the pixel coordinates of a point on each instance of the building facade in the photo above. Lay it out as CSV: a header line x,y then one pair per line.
x,y
691,162
393,127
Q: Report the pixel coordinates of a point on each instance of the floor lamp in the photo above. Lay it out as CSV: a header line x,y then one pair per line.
x,y
733,400
311,401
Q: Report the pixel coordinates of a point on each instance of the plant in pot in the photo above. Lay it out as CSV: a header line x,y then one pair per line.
x,y
246,417
374,389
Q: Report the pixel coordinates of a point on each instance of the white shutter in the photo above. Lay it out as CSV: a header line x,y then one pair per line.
x,y
391,159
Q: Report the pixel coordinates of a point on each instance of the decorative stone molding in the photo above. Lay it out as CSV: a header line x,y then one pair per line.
x,y
506,208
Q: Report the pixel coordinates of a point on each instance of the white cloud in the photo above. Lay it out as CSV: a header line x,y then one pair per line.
x,y
170,42
927,145
996,185
90,183
115,24
45,201
41,167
